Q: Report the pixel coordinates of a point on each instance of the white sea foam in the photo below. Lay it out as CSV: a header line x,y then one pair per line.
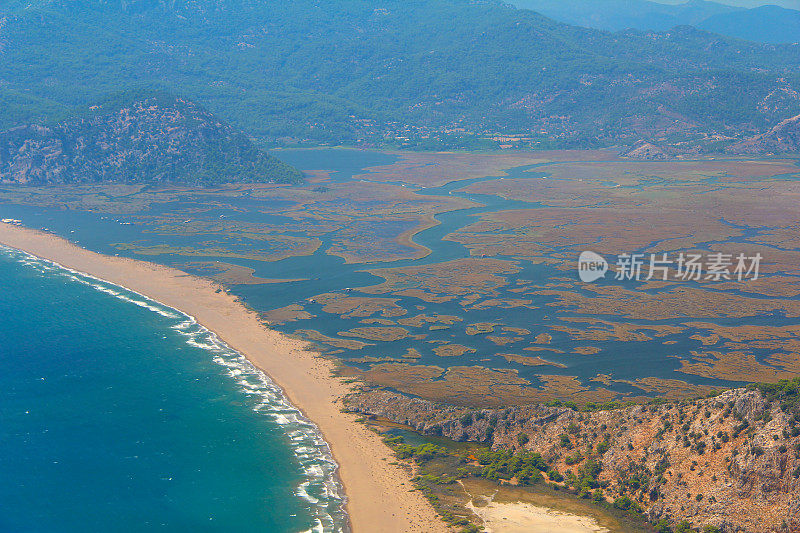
x,y
321,489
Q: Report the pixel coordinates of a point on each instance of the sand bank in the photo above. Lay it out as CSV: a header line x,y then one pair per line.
x,y
378,497
509,509
526,518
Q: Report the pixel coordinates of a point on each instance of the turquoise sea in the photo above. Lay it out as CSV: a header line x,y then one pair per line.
x,y
120,414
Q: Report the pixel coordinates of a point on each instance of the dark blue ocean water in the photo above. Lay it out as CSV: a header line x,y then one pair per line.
x,y
120,414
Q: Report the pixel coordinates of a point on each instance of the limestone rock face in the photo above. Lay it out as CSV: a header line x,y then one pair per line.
x,y
749,404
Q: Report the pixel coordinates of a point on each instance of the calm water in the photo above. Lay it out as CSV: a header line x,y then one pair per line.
x,y
119,414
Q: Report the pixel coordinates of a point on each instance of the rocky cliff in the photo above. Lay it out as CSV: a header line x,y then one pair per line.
x,y
731,461
154,140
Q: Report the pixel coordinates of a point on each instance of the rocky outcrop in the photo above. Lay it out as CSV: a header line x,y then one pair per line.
x,y
731,461
154,140
783,138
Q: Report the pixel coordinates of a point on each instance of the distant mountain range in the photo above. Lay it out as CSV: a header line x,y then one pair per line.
x,y
427,74
156,140
768,24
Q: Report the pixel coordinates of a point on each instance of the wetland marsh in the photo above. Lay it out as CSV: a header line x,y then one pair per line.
x,y
453,277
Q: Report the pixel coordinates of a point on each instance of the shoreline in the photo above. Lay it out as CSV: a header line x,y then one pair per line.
x,y
377,493
271,394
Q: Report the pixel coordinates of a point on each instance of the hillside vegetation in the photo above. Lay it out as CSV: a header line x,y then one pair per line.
x,y
728,463
421,73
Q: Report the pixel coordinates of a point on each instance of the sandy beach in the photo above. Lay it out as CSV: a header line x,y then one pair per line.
x,y
378,497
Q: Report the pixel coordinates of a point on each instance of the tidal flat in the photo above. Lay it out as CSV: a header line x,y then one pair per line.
x,y
468,263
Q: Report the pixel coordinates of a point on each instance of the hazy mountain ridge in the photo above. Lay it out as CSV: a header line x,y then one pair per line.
x,y
615,15
155,140
768,24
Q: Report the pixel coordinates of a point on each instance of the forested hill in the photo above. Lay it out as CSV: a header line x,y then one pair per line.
x,y
159,139
424,73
